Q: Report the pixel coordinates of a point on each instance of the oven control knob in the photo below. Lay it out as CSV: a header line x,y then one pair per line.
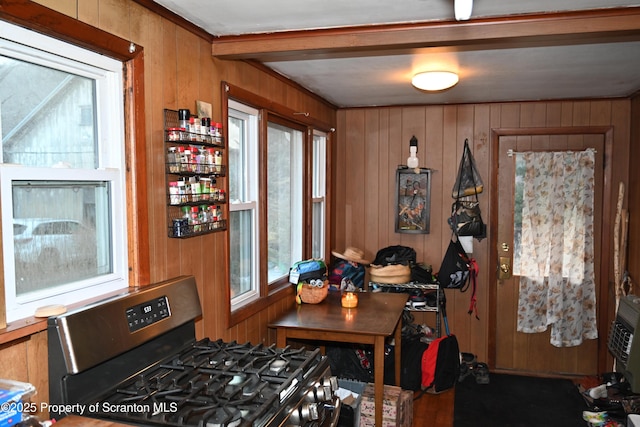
x,y
331,382
309,412
324,393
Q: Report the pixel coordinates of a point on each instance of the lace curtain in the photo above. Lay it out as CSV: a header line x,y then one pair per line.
x,y
557,280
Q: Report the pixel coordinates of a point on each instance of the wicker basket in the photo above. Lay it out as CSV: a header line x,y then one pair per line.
x,y
390,274
308,294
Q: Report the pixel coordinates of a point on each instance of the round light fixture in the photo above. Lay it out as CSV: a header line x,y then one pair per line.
x,y
434,80
463,9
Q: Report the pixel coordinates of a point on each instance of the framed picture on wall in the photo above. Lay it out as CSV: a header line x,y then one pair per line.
x,y
413,200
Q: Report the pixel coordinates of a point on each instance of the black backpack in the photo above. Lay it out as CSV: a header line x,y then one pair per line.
x,y
350,361
395,255
441,364
410,368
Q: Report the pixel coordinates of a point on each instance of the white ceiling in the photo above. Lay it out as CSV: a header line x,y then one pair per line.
x,y
584,67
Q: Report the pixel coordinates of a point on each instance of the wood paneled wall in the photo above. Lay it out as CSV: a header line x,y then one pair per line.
x,y
179,70
372,142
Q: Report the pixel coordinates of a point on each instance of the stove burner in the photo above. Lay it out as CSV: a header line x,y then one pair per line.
x,y
238,379
253,387
277,366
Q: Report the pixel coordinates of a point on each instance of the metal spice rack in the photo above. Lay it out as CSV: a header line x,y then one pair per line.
x,y
194,212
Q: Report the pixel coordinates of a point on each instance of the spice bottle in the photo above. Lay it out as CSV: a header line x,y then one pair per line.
x,y
182,191
174,134
173,161
194,220
185,161
183,118
205,185
210,160
195,189
217,161
186,212
174,195
218,130
205,128
194,129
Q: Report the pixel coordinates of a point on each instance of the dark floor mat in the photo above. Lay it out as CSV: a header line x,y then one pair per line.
x,y
518,401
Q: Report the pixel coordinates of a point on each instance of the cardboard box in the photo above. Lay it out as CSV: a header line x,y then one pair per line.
x,y
397,409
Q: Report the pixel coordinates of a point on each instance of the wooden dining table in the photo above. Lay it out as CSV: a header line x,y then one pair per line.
x,y
377,316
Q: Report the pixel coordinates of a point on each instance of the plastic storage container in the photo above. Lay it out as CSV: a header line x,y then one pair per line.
x,y
11,395
351,395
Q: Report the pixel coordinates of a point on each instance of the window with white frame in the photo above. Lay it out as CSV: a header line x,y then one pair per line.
x,y
284,199
62,176
242,134
319,194
268,201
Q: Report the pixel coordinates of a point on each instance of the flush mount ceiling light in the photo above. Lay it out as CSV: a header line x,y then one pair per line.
x,y
462,9
434,80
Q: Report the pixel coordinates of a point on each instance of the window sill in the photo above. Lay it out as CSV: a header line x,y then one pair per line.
x,y
254,308
22,328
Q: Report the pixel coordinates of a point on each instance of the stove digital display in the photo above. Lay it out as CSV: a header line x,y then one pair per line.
x,y
147,313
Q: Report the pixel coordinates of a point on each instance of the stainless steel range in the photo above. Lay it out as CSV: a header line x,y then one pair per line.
x,y
135,359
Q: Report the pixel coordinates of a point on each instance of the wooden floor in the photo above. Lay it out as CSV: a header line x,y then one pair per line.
x,y
434,410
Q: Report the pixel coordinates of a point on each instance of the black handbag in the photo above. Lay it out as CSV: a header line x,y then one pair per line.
x,y
466,219
455,268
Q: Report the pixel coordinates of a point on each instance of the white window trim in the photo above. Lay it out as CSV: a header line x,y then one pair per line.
x,y
111,282
296,150
23,44
251,116
320,183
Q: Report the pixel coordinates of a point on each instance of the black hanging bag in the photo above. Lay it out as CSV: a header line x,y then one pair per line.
x,y
468,182
454,270
459,271
466,218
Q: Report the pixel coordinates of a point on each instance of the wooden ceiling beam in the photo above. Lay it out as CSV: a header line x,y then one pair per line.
x,y
601,25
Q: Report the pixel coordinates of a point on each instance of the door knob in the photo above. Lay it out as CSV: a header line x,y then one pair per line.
x,y
504,271
504,267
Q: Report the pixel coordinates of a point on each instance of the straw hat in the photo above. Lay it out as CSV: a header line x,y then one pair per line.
x,y
352,254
